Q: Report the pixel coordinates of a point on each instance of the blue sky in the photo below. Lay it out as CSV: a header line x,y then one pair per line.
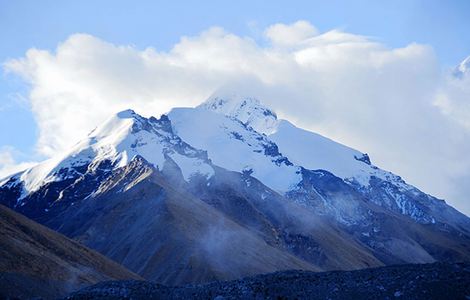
x,y
439,27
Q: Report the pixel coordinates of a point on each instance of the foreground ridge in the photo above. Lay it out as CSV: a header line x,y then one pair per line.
x,y
38,262
427,281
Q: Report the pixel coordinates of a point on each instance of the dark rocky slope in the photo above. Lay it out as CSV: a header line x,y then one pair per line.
x,y
36,261
173,232
165,234
427,281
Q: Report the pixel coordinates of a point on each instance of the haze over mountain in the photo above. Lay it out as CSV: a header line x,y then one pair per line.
x,y
227,189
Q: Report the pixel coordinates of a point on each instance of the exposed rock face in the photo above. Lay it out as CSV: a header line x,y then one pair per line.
x,y
36,261
430,281
166,234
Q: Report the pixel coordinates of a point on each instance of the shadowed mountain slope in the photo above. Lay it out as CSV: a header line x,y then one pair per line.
x,y
36,261
166,234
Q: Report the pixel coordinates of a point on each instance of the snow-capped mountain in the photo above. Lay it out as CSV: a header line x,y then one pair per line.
x,y
227,189
118,140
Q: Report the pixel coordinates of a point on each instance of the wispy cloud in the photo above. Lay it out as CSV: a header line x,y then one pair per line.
x,y
8,163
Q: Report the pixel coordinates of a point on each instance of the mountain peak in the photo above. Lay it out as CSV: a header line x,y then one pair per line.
x,y
248,110
127,114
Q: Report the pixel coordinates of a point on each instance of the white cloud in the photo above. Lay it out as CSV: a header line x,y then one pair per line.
x,y
453,99
8,164
395,104
290,35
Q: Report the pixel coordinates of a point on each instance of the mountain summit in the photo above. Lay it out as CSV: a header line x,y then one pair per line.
x,y
227,189
248,110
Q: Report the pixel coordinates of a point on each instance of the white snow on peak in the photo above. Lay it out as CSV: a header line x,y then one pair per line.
x,y
248,110
127,114
234,146
121,138
313,151
101,143
303,148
